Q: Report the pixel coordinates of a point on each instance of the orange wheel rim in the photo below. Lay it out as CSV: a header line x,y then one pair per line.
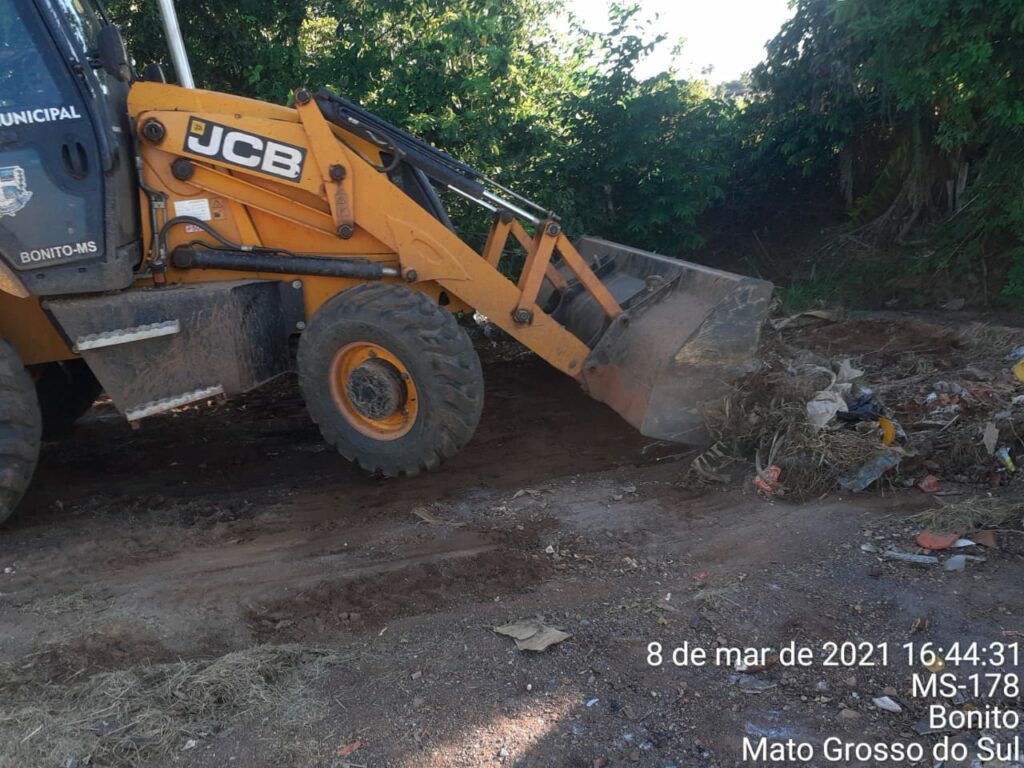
x,y
373,390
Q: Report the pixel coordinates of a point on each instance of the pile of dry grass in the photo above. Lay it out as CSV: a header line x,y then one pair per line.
x,y
974,513
131,716
990,341
764,420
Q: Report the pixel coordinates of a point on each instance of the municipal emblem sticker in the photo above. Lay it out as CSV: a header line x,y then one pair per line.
x,y
13,192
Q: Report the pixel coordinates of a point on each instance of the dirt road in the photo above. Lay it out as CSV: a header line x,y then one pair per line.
x,y
218,589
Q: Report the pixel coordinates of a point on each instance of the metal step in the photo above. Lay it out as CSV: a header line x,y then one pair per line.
x,y
154,407
126,335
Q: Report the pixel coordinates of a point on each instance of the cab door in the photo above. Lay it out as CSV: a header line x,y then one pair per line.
x,y
60,225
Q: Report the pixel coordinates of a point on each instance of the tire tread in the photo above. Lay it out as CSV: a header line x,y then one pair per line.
x,y
20,430
438,341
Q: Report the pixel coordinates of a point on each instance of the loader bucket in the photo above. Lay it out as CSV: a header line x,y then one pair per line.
x,y
686,331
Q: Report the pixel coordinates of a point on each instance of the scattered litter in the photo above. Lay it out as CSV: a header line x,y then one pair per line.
x,y
765,418
532,634
767,480
888,428
990,437
592,702
1003,454
847,374
930,540
426,516
749,684
1018,370
920,625
907,557
865,406
959,562
870,471
347,749
9,570
823,407
886,703
1015,354
788,413
955,563
190,744
827,403
930,484
985,539
868,547
961,543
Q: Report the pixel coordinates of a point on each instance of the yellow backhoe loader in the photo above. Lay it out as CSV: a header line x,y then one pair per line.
x,y
169,245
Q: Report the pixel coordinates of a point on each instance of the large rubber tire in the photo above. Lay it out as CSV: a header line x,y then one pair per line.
x,y
20,430
66,390
432,353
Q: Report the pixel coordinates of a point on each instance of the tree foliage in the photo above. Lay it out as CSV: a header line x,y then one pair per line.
x,y
249,47
645,158
908,114
469,75
914,110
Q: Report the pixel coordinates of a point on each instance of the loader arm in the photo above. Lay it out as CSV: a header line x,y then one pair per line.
x,y
386,225
650,336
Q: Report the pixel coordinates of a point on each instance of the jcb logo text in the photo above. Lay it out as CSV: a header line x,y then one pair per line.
x,y
245,150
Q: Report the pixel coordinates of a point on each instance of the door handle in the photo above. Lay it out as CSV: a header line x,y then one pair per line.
x,y
76,161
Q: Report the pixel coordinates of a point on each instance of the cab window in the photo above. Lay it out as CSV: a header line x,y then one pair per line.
x,y
83,21
25,79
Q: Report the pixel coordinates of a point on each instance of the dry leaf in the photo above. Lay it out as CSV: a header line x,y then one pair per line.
x,y
532,634
347,749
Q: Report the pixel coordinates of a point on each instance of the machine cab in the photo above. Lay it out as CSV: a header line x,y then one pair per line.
x,y
68,202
